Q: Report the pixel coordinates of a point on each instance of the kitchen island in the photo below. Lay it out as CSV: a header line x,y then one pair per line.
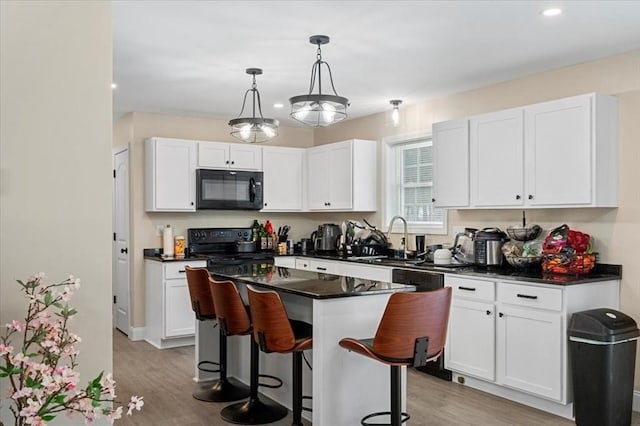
x,y
344,386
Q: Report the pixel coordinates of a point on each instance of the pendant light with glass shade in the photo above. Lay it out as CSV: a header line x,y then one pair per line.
x,y
319,109
253,129
395,113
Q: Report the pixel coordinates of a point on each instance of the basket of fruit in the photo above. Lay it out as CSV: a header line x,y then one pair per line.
x,y
567,251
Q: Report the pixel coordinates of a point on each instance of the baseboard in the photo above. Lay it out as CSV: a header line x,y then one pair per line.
x,y
136,333
636,400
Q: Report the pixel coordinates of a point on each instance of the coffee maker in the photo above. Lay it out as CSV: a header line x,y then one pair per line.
x,y
326,238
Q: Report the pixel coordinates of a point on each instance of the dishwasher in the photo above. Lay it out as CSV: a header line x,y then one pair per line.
x,y
424,281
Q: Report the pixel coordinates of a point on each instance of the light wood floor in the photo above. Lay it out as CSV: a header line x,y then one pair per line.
x,y
164,378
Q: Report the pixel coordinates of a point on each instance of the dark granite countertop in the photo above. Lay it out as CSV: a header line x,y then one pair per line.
x,y
602,272
312,284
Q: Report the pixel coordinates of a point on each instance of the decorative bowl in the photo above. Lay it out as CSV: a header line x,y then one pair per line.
x,y
524,262
523,233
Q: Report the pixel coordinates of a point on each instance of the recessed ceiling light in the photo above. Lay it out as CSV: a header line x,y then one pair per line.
x,y
552,11
278,105
113,85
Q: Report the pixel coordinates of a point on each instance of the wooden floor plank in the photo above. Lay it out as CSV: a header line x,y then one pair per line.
x,y
164,378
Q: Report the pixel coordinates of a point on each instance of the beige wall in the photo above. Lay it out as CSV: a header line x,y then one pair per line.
x,y
55,163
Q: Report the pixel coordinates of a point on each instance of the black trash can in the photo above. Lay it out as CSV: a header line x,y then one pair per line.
x,y
602,347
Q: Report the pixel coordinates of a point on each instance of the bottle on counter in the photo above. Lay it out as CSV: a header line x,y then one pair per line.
x,y
401,249
255,230
178,247
167,241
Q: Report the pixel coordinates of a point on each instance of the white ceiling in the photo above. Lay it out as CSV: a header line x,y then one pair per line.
x,y
189,57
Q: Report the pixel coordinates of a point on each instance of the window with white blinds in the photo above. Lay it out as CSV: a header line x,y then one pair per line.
x,y
410,185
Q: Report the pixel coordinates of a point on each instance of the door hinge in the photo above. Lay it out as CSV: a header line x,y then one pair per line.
x,y
114,173
114,236
114,300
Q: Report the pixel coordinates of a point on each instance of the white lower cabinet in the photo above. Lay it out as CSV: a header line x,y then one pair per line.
x,y
347,269
470,347
510,338
170,321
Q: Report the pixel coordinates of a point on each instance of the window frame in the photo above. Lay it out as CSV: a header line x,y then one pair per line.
x,y
391,173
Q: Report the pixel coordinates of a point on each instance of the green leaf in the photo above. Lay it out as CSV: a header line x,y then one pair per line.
x,y
95,403
4,374
48,298
48,417
59,399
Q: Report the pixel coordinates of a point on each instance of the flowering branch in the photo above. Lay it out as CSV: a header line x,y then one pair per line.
x,y
41,373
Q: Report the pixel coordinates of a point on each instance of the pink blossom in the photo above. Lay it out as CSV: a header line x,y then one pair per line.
x,y
136,402
37,421
115,414
20,393
5,349
15,325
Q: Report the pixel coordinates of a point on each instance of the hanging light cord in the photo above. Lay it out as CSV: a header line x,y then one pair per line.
x,y
315,68
254,89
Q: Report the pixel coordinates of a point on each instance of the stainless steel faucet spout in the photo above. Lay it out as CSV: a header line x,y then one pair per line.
x,y
406,234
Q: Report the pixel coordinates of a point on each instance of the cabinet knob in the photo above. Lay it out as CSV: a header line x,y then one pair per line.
x,y
233,162
488,312
500,314
124,250
433,200
328,204
226,162
518,197
192,203
265,204
530,197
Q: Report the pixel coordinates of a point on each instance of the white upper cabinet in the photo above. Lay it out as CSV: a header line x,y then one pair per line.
x,y
560,153
571,152
496,160
283,178
218,155
451,163
342,176
170,175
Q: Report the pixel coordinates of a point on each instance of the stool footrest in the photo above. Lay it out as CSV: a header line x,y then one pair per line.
x,y
202,364
364,422
268,385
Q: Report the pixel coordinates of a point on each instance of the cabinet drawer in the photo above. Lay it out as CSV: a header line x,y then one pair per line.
x,y
285,261
471,289
175,270
303,263
525,295
323,267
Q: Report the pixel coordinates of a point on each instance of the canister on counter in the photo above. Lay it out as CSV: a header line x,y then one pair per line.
x,y
178,247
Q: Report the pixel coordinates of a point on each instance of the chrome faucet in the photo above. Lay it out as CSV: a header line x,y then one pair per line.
x,y
406,234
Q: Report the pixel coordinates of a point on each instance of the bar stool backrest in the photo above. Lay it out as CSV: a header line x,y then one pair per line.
x,y
270,321
200,294
410,316
230,309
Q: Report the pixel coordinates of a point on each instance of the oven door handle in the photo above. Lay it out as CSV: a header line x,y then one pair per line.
x,y
252,190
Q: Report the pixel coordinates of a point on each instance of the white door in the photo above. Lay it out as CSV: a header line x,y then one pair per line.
x,y
559,152
340,176
213,155
245,157
451,163
529,351
282,178
497,164
121,239
318,179
471,339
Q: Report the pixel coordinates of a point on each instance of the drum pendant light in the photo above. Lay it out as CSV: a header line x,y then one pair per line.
x,y
319,110
253,129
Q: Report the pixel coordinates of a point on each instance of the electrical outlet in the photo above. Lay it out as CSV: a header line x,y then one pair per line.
x,y
159,229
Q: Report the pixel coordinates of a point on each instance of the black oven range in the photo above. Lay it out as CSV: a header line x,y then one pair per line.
x,y
218,246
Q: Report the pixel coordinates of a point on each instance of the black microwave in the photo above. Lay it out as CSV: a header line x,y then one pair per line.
x,y
228,190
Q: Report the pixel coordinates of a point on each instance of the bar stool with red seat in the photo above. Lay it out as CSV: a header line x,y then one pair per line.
x,y
412,332
275,332
234,320
225,389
